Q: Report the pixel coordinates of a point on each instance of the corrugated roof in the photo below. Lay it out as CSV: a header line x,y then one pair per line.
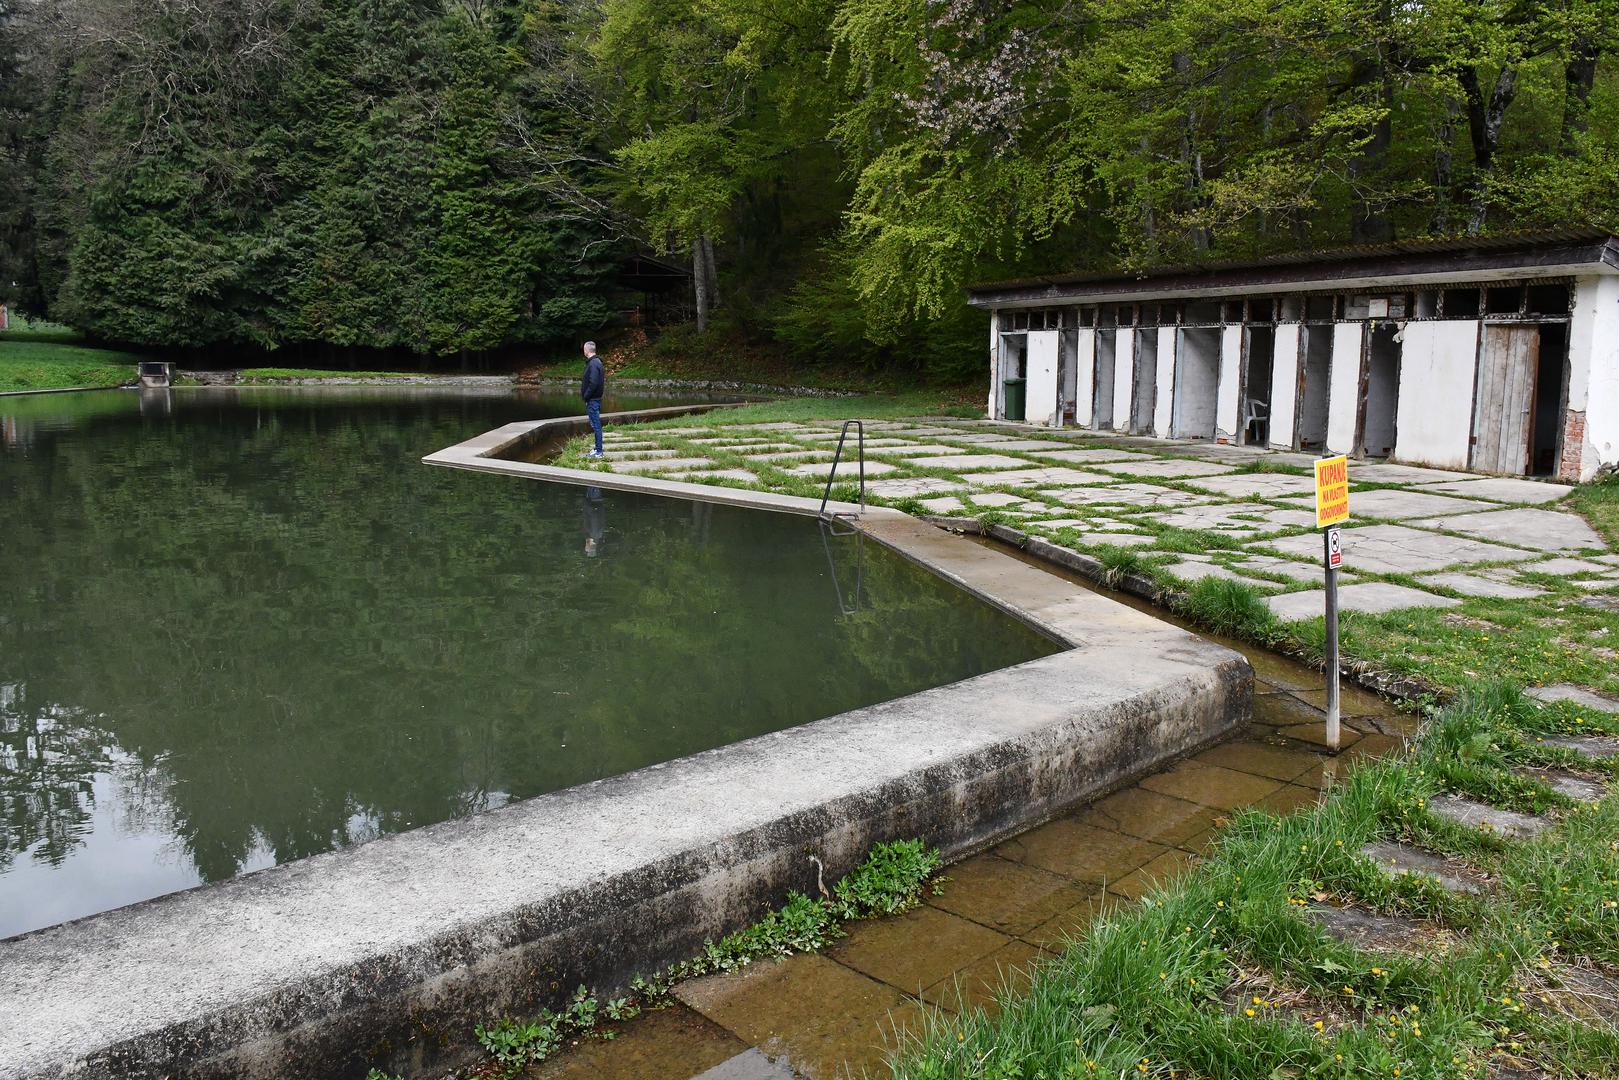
x,y
1448,245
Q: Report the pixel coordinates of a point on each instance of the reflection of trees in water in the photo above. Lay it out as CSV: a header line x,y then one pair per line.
x,y
303,637
49,758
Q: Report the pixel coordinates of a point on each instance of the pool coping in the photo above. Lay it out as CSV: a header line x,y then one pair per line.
x,y
389,953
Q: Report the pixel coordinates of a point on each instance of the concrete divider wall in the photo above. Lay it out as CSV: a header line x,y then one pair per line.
x,y
389,953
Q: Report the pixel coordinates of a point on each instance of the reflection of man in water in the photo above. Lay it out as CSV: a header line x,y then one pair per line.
x,y
595,521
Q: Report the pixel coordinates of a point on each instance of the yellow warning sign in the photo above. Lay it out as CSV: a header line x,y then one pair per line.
x,y
1331,491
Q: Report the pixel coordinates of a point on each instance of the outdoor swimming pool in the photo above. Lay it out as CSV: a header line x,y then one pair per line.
x,y
239,627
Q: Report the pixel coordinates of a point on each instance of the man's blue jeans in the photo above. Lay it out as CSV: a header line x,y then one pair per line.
x,y
594,409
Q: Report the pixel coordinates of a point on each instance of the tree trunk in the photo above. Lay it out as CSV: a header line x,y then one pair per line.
x,y
1579,73
1368,219
1484,119
1444,170
713,275
699,284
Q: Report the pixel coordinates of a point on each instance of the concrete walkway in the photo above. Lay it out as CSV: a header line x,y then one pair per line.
x,y
1446,535
833,1014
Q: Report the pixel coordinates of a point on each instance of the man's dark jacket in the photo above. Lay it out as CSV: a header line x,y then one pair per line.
x,y
591,388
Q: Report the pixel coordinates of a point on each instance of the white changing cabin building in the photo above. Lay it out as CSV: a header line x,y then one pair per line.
x,y
1497,354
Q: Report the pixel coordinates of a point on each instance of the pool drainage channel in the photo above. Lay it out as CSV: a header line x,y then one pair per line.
x,y
389,953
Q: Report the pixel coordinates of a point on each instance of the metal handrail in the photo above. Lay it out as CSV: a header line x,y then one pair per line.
x,y
832,475
847,604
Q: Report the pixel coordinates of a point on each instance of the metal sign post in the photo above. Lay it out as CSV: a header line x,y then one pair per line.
x,y
1331,508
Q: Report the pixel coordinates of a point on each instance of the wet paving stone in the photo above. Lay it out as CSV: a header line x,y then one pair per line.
x,y
1585,699
1150,815
1315,733
1486,818
809,1012
1056,933
1211,785
676,1043
1288,798
1007,896
1156,874
1082,852
1261,759
977,984
749,1065
1284,710
1284,674
1396,859
1352,701
886,949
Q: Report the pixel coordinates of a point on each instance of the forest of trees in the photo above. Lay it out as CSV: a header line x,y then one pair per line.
x,y
447,176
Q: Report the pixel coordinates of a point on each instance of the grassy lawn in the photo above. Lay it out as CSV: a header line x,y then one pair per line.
x,y
1222,973
44,356
279,374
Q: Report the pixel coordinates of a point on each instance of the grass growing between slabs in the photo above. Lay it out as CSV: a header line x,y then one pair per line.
x,y
1225,973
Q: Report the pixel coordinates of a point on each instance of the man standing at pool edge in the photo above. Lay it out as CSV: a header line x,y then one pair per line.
x,y
590,389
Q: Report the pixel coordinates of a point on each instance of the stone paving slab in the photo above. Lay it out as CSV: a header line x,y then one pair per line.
x,y
801,452
1481,585
1397,859
1145,496
910,449
814,1012
662,464
1222,518
1566,567
1570,785
945,504
767,448
1269,564
1373,597
1486,818
1500,489
1260,485
1579,695
1400,474
980,437
1002,499
1592,746
1110,539
1017,445
625,453
1542,530
722,474
1196,571
1402,505
1396,549
971,462
1381,933
906,487
1092,455
1207,451
1165,468
847,470
1059,476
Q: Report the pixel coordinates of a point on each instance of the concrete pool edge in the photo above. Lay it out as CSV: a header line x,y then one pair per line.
x,y
390,952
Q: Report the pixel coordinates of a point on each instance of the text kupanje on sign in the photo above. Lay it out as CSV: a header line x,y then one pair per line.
x,y
1331,491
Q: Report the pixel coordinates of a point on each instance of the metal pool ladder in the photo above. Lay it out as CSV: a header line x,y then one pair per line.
x,y
832,475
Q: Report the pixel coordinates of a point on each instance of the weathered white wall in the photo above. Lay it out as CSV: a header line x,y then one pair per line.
x,y
1197,382
1124,359
994,411
1085,376
1593,377
1225,418
1164,403
1284,385
1344,398
1040,368
1438,369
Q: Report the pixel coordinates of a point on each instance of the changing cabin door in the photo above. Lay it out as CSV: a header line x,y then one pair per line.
x,y
1041,367
1509,357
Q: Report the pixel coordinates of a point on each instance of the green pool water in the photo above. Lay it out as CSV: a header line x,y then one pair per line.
x,y
239,627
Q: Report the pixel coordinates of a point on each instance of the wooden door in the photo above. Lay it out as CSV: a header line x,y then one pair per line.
x,y
1509,357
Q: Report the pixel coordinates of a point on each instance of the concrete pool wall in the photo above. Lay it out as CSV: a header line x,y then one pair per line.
x,y
389,953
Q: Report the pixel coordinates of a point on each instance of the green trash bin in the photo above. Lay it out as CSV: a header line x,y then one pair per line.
x,y
1016,398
